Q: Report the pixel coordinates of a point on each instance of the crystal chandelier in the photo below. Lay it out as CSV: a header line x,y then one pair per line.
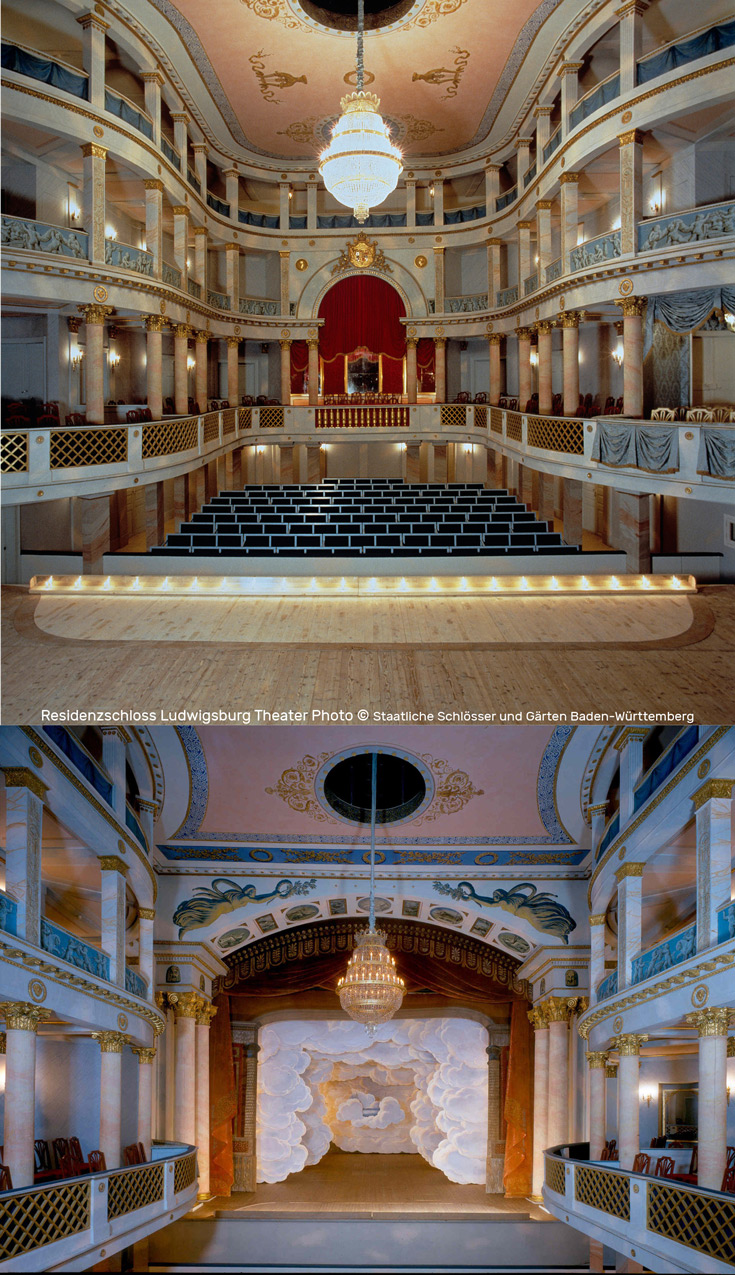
x,y
370,990
361,166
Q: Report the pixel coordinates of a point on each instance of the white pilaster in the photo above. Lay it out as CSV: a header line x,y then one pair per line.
x,y
24,820
713,806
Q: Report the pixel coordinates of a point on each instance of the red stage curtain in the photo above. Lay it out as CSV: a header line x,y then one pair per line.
x,y
392,375
519,1104
222,1099
426,363
362,311
299,366
333,375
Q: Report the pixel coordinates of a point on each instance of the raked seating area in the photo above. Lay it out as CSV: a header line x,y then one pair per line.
x,y
365,517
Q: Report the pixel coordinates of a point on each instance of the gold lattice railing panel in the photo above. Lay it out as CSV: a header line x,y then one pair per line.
x,y
42,1217
555,1175
133,1190
481,418
271,418
229,417
211,427
698,1221
246,418
373,417
170,436
72,448
513,426
13,453
185,1172
496,420
556,435
454,416
601,1189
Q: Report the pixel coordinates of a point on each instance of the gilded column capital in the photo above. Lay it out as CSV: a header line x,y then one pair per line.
x,y
632,305
145,1056
522,141
111,1042
411,342
313,342
731,1046
232,247
180,117
596,1059
200,148
200,230
92,150
112,863
543,110
493,1053
495,338
181,210
543,205
22,1015
631,136
710,1022
284,254
599,808
3,1044
234,342
524,225
205,1013
95,314
568,179
439,252
524,334
559,1009
21,777
538,1018
545,325
569,68
285,344
629,1044
440,340
147,914
92,20
629,870
633,6
155,322
611,1071
495,243
152,77
597,918
185,1004
151,807
630,734
713,788
73,322
181,330
232,172
569,319
201,337
153,183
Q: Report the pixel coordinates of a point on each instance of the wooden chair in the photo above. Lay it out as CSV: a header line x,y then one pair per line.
x,y
605,1153
43,1171
691,1176
97,1162
619,406
728,1181
722,414
6,1181
663,414
699,414
17,409
642,1163
75,420
76,1152
613,1146
131,1154
16,422
68,1167
142,1154
50,409
664,1167
61,1148
463,397
481,397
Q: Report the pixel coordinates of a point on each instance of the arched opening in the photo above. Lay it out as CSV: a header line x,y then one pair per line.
x,y
362,344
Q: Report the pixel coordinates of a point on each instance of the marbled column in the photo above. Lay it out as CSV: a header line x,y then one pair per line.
x,y
232,275
524,254
598,1079
411,370
426,462
540,1095
543,236
200,369
311,204
524,367
112,901
542,115
494,342
285,258
95,521
285,372
495,1161
569,322
186,1006
523,147
544,330
146,920
439,280
630,42
152,85
154,325
21,1021
94,324
572,511
557,1011
629,744
204,1017
628,1047
93,199
631,529
569,75
201,242
598,818
313,346
93,57
237,482
232,191
438,200
145,1096
494,270
154,222
24,799
114,739
181,137
713,807
631,189
233,370
181,332
492,190
633,308
546,502
201,150
440,369
284,206
195,490
181,242
597,953
111,1046
711,1024
180,509
155,525
569,215
410,204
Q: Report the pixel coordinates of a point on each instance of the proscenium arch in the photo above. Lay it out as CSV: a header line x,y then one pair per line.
x,y
316,288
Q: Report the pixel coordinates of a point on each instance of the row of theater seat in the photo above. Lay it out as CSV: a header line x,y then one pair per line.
x,y
372,518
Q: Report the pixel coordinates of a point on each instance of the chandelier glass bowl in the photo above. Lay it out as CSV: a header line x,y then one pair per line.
x,y
371,991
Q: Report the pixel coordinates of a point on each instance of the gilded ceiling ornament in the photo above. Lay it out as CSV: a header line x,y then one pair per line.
x,y
446,75
271,80
362,253
351,78
453,789
296,786
301,131
275,11
302,264
418,130
434,9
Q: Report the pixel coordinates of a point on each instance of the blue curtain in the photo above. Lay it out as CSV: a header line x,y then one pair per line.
x,y
603,94
297,223
118,106
721,36
552,144
219,205
259,219
37,68
424,219
339,221
685,311
170,153
506,199
717,453
652,448
464,214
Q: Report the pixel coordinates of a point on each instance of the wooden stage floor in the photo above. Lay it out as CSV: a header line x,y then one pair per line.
x,y
603,655
362,1185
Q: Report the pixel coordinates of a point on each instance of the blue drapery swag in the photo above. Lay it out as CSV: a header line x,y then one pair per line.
x,y
720,36
39,68
653,448
457,215
685,311
604,93
219,205
118,106
259,219
716,453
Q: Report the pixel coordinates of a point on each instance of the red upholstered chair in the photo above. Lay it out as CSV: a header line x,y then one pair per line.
x,y
43,1171
17,409
132,416
642,1163
131,1154
463,397
481,397
619,406
97,1162
16,422
68,1167
664,1167
691,1176
61,1148
75,1151
6,1182
50,409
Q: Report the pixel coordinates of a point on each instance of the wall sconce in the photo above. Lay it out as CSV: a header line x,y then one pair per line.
x,y
190,363
730,320
646,1093
728,1095
110,232
74,213
113,358
76,358
402,446
618,354
580,233
260,450
536,259
467,447
188,264
290,194
431,190
534,358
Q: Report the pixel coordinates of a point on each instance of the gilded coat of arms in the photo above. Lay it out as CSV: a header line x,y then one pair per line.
x,y
360,254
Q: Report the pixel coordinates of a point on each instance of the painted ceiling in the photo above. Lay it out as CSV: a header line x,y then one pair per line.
x,y
441,70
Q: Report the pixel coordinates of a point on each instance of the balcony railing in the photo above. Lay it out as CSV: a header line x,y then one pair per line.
x,y
132,823
81,760
466,305
598,96
41,236
45,67
554,270
219,205
135,983
67,1219
119,105
507,296
219,300
698,44
608,986
595,251
608,836
552,143
530,284
503,200
258,219
8,914
726,923
194,289
193,180
529,175
64,946
172,155
170,275
259,305
678,749
126,257
669,952
692,226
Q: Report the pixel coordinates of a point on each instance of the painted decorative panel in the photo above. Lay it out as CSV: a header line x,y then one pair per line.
x,y
665,954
